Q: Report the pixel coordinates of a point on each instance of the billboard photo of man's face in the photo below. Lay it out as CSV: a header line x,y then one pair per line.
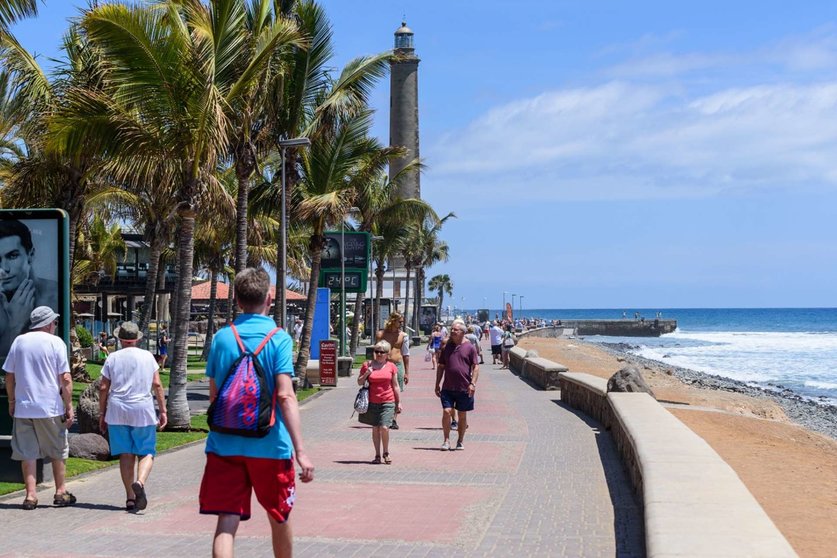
x,y
16,253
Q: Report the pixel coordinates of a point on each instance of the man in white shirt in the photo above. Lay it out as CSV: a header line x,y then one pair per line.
x,y
126,409
496,335
40,391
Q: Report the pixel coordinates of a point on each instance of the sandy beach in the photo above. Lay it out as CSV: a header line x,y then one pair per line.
x,y
791,470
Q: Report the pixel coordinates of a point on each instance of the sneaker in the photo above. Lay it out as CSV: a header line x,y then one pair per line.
x,y
64,500
454,424
393,426
446,446
459,446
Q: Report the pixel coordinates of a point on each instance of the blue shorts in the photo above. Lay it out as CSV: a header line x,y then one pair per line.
x,y
163,351
459,400
137,440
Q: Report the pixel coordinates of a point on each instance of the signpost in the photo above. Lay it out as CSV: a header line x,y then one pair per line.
x,y
345,266
328,363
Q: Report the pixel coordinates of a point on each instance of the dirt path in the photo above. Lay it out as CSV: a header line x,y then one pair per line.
x,y
791,471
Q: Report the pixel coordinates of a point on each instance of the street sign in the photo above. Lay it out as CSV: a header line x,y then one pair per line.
x,y
328,363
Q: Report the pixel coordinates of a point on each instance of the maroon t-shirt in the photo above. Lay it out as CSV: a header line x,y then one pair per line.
x,y
458,361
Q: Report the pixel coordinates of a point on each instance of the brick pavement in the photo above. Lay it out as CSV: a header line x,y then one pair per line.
x,y
535,479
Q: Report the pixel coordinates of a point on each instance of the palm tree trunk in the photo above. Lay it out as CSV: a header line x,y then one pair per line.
x,y
280,283
230,296
177,404
315,252
417,299
210,318
441,300
244,164
356,325
406,297
151,283
379,294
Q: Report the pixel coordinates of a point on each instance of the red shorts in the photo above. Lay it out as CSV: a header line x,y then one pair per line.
x,y
227,483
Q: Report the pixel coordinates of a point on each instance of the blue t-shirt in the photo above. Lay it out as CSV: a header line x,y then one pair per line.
x,y
275,358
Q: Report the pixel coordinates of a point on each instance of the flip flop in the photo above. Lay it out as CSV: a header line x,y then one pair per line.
x,y
130,504
139,493
387,459
377,460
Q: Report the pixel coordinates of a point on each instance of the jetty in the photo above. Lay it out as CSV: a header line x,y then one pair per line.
x,y
612,328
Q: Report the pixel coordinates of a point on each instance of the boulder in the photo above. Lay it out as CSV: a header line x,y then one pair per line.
x,y
88,409
532,353
628,379
89,446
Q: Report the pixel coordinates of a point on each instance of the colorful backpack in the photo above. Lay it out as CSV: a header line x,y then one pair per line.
x,y
244,405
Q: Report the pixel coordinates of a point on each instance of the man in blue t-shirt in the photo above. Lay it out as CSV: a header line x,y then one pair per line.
x,y
237,465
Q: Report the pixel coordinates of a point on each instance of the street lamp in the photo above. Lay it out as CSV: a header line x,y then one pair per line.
x,y
520,305
283,261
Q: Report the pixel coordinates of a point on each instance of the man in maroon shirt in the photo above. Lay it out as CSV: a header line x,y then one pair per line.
x,y
459,365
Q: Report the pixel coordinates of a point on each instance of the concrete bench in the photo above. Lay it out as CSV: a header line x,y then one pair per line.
x,y
586,393
517,356
542,372
694,503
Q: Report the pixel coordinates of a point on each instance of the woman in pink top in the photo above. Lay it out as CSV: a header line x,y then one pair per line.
x,y
384,398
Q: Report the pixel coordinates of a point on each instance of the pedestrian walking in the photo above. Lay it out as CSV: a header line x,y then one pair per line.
x,y
400,352
40,391
237,465
495,334
384,398
508,342
126,411
456,382
434,345
163,346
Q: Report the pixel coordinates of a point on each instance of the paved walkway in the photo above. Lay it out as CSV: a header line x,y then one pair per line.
x,y
535,479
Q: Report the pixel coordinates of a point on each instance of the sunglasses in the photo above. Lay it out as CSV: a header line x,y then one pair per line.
x,y
380,352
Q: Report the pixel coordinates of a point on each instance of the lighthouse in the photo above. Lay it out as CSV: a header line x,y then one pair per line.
x,y
403,110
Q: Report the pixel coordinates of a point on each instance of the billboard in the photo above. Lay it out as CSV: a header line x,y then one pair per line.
x,y
34,270
352,248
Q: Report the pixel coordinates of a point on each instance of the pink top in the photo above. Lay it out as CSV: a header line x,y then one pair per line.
x,y
380,383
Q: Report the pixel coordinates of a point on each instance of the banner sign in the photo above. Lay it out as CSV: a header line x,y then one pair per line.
x,y
328,363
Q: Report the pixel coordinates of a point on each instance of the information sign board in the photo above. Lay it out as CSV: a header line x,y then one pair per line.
x,y
328,363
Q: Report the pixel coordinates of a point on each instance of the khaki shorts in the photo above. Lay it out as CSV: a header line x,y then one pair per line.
x,y
39,438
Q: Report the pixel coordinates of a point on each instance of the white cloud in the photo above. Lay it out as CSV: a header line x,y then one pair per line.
x,y
632,141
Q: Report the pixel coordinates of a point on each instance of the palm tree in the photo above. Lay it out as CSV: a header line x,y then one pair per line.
x,y
429,250
249,63
14,10
164,106
441,284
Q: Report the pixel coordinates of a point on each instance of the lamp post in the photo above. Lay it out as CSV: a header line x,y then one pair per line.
x,y
520,305
283,261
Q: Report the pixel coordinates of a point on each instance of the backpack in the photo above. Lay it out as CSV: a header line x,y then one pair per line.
x,y
508,340
244,405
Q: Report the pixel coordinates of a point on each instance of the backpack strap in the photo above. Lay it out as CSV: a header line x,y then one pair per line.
x,y
261,345
265,340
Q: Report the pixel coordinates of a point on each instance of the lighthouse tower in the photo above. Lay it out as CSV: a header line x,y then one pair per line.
x,y
403,110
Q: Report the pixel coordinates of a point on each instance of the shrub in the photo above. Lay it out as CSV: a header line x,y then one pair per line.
x,y
85,338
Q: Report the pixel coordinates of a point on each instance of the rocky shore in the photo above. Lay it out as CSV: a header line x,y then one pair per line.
x,y
814,415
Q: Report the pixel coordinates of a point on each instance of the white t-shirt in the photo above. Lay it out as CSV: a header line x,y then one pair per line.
x,y
496,334
131,373
38,359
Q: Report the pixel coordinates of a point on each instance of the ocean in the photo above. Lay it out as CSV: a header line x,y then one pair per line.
x,y
772,348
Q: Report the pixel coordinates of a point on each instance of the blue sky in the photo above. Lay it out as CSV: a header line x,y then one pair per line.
x,y
611,154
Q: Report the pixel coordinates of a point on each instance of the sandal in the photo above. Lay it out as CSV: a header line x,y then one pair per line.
x,y
139,493
64,500
377,460
29,504
130,504
387,459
